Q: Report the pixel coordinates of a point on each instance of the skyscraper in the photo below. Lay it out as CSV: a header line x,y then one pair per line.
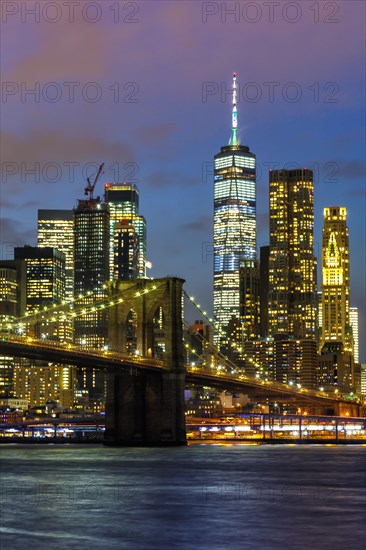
x,y
125,251
12,305
292,264
336,280
263,289
45,276
353,319
234,224
123,204
91,259
336,364
39,381
249,299
56,229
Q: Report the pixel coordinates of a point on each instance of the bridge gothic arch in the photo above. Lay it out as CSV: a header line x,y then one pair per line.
x,y
149,299
142,406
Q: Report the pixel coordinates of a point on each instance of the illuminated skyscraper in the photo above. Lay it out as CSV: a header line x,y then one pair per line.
x,y
39,381
56,229
123,205
249,299
45,276
353,319
12,289
292,264
263,289
336,280
91,259
234,224
125,251
336,364
12,305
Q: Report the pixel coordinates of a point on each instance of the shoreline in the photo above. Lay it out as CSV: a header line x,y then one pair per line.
x,y
198,441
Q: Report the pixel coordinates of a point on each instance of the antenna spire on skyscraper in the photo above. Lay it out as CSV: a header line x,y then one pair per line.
x,y
234,125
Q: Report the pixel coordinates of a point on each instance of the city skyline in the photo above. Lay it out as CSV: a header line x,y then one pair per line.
x,y
173,147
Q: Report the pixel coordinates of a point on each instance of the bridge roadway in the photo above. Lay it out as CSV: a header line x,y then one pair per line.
x,y
70,354
258,388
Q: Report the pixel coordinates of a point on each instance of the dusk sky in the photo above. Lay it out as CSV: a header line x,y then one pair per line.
x,y
142,89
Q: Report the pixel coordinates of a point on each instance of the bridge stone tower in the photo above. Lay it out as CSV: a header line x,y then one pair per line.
x,y
146,406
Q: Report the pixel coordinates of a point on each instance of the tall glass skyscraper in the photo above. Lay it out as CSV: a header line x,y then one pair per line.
x,y
91,258
234,224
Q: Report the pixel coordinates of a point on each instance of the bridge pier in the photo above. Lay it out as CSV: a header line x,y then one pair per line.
x,y
146,406
145,409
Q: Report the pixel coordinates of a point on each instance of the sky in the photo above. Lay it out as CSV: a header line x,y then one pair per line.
x,y
145,88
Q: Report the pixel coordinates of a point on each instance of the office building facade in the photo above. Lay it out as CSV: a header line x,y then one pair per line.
x,y
292,264
56,229
123,204
249,299
125,251
91,260
336,326
353,319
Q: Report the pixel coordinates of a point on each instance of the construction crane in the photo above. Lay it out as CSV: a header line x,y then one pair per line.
x,y
89,190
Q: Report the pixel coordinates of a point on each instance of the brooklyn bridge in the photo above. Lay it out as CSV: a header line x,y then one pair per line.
x,y
145,395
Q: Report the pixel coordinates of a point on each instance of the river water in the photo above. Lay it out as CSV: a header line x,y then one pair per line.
x,y
197,497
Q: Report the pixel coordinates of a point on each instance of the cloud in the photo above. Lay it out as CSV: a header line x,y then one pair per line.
x,y
357,193
13,234
352,169
204,223
52,145
54,151
77,54
153,135
160,179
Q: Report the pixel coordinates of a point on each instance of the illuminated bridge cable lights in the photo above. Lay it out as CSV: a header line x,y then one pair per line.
x,y
219,357
198,307
217,352
71,302
48,313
